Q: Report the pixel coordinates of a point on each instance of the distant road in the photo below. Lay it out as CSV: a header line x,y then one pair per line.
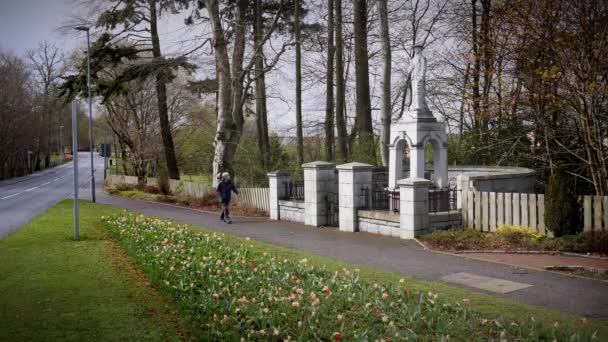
x,y
24,198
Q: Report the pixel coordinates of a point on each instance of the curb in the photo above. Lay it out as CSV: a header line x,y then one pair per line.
x,y
465,256
501,251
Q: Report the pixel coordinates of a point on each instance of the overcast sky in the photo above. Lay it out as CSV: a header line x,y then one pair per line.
x,y
25,23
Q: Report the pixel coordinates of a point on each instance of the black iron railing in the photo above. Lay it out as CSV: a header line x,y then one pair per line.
x,y
380,200
442,199
293,191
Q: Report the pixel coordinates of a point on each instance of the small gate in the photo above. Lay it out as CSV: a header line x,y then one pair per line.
x,y
332,211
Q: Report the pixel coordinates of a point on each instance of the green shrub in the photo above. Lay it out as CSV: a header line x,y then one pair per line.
x,y
130,193
125,187
151,189
458,239
209,199
587,242
562,211
518,234
112,190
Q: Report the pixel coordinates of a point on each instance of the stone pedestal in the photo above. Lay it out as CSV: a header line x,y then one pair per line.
x,y
414,202
414,132
352,179
319,182
276,184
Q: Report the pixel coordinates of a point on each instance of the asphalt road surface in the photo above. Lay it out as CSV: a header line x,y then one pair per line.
x,y
24,198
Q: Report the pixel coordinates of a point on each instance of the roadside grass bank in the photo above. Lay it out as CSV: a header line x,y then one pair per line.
x,y
55,289
230,287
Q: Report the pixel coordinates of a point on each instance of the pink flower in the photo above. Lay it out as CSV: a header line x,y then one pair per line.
x,y
384,295
215,296
295,304
340,317
466,301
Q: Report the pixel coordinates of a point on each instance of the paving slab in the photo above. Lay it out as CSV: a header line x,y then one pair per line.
x,y
484,283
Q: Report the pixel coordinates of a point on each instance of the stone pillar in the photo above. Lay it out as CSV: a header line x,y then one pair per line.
x,y
276,183
353,177
417,161
395,165
440,164
414,211
319,182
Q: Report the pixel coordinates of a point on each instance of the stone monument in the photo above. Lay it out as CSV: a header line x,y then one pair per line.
x,y
416,128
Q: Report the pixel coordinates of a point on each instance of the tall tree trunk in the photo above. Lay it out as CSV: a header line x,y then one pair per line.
x,y
300,138
329,103
476,67
161,94
224,94
486,54
385,82
365,130
463,99
260,89
230,86
340,87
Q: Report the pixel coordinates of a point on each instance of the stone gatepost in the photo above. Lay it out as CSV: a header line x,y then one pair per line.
x,y
352,179
276,184
319,182
414,211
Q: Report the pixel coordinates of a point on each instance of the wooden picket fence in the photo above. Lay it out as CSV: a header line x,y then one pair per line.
x,y
254,197
486,211
250,197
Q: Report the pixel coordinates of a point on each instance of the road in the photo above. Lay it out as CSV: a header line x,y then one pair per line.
x,y
24,198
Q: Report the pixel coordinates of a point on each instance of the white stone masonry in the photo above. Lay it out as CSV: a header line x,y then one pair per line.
x,y
319,182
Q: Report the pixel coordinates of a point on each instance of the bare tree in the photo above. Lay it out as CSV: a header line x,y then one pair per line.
x,y
299,135
329,103
385,83
340,86
365,131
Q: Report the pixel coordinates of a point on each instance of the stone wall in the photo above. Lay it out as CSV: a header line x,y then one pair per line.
x,y
291,211
379,222
445,219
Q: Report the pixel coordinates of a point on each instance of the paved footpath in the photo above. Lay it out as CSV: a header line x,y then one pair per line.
x,y
579,296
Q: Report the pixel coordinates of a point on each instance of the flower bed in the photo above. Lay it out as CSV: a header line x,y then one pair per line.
x,y
514,238
228,291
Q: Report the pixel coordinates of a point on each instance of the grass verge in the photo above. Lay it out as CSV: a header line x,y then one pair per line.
x,y
55,289
230,287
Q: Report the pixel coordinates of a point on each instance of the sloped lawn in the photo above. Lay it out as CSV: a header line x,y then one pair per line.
x,y
55,289
229,289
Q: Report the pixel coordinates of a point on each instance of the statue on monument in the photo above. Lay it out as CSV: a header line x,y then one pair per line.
x,y
418,77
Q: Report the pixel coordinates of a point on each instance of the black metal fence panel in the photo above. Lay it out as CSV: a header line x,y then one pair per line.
x,y
294,191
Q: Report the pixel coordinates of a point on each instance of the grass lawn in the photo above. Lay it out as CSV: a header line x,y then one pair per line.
x,y
52,288
55,289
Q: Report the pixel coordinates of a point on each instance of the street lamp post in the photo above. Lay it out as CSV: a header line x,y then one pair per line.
x,y
61,144
87,29
105,150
